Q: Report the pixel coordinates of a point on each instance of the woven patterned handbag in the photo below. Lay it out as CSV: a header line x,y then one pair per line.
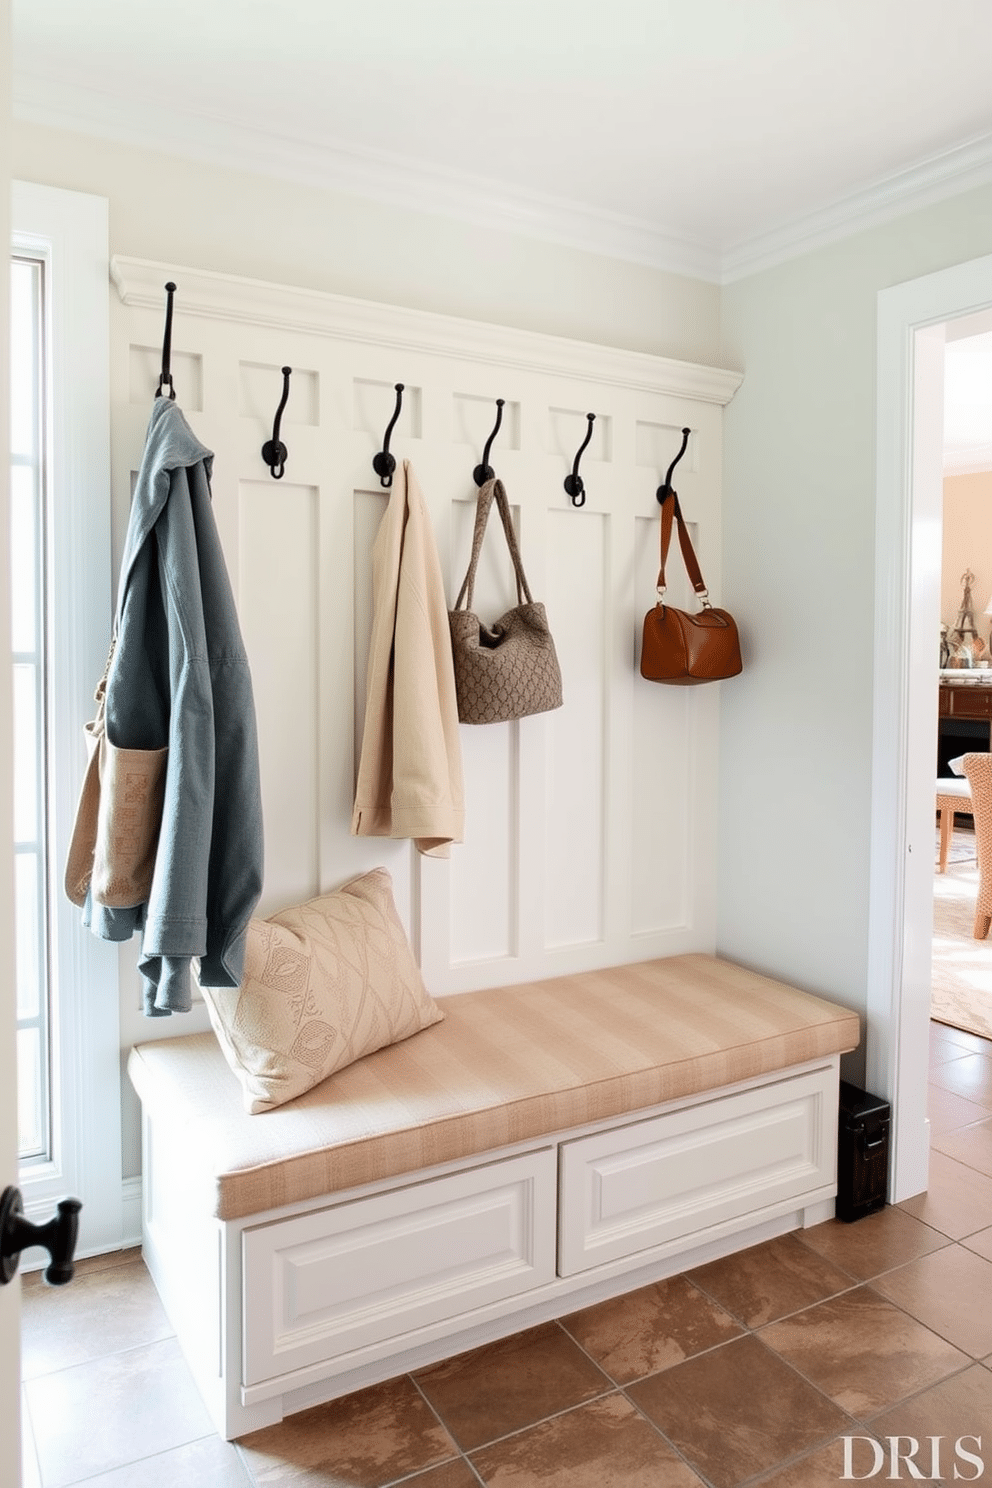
x,y
510,669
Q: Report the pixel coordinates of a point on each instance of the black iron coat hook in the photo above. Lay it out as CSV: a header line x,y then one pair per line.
x,y
274,452
574,484
165,376
485,472
663,490
384,463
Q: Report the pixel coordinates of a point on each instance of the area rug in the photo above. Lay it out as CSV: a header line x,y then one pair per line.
x,y
961,978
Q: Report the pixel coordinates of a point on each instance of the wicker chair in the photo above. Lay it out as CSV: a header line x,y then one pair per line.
x,y
978,772
953,794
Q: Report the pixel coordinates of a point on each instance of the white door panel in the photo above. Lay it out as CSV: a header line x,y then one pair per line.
x,y
589,831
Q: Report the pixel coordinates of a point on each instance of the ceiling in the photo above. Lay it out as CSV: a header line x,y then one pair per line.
x,y
707,137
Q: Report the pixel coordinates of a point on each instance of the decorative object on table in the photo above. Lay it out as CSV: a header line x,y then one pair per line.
x,y
988,613
965,646
508,669
677,646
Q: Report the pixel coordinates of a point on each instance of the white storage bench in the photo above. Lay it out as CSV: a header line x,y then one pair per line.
x,y
546,1146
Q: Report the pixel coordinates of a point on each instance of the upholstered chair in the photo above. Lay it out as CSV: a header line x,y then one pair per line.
x,y
978,773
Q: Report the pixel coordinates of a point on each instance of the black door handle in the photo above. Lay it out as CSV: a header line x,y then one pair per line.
x,y
58,1237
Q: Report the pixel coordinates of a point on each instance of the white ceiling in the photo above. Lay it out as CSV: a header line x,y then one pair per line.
x,y
709,137
703,136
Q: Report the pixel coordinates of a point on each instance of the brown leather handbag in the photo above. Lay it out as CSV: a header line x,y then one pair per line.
x,y
508,669
679,647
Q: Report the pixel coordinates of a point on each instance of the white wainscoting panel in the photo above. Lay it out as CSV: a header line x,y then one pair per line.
x,y
589,837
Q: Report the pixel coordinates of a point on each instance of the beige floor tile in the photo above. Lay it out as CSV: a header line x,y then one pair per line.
x,y
964,1039
363,1440
210,1463
30,1473
971,1145
770,1280
100,1312
650,1329
960,1406
958,1200
108,1412
942,1046
944,1292
515,1382
736,1411
874,1244
970,1076
604,1442
980,1243
948,1111
863,1352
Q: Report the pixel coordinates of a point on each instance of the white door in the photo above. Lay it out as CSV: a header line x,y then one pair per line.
x,y
10,1294
10,1470
911,333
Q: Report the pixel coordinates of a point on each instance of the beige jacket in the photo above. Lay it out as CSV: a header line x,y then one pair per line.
x,y
410,774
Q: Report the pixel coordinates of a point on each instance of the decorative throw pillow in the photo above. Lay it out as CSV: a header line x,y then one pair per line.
x,y
324,983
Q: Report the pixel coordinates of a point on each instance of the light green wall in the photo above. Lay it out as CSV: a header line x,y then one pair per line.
x,y
799,564
182,212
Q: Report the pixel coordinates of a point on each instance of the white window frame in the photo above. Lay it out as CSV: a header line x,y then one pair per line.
x,y
69,229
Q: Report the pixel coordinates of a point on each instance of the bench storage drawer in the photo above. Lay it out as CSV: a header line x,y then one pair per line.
x,y
324,1284
695,1170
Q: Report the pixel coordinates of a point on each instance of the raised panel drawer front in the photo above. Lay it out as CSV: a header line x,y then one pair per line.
x,y
671,1176
339,1279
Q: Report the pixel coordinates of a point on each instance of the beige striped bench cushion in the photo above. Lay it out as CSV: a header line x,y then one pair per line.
x,y
506,1065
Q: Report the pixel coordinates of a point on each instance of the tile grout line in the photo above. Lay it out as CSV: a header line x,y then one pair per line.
x,y
444,1426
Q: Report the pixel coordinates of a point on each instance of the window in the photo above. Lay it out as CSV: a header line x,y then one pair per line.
x,y
69,1085
29,645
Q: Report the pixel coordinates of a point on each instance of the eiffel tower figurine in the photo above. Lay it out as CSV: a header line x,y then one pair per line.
x,y
966,646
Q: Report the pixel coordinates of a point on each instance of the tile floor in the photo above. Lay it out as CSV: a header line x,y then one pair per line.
x,y
744,1371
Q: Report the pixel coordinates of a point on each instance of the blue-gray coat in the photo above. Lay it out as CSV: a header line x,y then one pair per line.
x,y
179,678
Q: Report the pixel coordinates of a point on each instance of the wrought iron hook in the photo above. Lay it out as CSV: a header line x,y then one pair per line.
x,y
165,376
485,472
574,484
663,490
384,463
274,452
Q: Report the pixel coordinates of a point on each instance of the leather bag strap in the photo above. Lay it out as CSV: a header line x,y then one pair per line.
x,y
491,489
670,510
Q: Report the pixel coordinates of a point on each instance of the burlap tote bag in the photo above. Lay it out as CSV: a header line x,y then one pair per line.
x,y
508,669
118,818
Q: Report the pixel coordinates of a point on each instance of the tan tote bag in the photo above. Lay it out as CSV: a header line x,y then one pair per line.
x,y
118,818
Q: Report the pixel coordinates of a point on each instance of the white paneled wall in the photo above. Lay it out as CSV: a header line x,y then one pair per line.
x,y
590,831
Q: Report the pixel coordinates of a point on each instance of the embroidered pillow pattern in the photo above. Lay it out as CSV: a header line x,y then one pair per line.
x,y
324,984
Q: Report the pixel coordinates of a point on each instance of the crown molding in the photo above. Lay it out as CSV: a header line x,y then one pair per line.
x,y
933,180
230,297
377,175
395,180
